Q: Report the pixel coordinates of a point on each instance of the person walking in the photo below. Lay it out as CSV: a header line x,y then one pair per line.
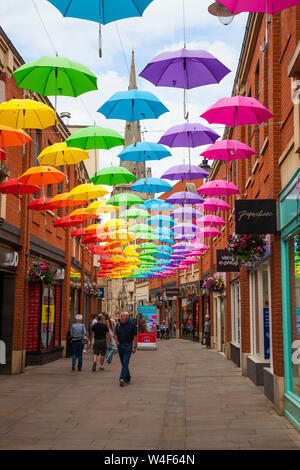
x,y
207,331
111,342
126,333
91,324
100,333
78,331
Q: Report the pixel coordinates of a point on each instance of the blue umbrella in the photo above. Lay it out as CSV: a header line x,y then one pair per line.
x,y
151,185
144,151
157,204
133,105
101,11
166,248
166,239
164,231
161,221
162,262
162,255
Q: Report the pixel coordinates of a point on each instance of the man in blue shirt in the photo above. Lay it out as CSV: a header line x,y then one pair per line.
x,y
127,341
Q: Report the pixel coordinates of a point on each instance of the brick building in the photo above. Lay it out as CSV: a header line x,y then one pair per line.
x,y
27,334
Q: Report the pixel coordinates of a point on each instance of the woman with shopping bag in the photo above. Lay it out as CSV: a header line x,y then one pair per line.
x,y
111,341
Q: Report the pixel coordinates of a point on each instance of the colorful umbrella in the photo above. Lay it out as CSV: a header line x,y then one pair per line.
x,y
77,233
95,137
60,154
161,221
151,185
67,222
213,220
185,228
101,207
42,175
188,135
164,232
140,228
80,214
144,151
2,155
208,232
263,6
214,204
223,150
14,186
10,137
25,114
87,191
184,173
218,188
184,197
133,105
61,200
125,199
146,246
113,175
186,213
41,204
134,213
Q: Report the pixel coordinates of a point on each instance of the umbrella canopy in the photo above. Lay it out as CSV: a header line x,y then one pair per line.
x,y
141,228
60,154
134,213
10,137
80,214
133,105
166,248
214,204
161,221
146,246
54,76
164,232
113,175
125,199
224,150
14,186
95,137
144,151
189,135
41,204
184,197
153,203
42,175
218,188
264,6
67,222
237,111
186,213
101,207
184,173
146,236
185,228
151,185
105,10
77,233
115,224
61,200
208,232
87,191
25,114
213,220
2,155
184,69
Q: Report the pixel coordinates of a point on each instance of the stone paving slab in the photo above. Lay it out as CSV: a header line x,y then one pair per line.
x,y
183,397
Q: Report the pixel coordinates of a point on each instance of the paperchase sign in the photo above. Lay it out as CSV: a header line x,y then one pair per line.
x,y
226,262
256,216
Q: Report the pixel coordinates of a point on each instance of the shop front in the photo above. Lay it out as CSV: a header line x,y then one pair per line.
x,y
189,307
290,253
235,344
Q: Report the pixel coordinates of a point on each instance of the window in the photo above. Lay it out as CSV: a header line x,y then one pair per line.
x,y
37,139
236,312
294,274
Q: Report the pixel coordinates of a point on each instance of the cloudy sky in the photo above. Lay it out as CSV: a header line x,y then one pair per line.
x,y
160,29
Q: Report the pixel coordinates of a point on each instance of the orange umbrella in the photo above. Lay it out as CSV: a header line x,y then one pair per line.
x,y
10,137
94,229
80,214
60,200
42,175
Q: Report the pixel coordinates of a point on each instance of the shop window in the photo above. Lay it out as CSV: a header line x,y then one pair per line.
x,y
260,312
294,264
236,313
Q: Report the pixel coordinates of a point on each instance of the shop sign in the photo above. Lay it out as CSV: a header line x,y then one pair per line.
x,y
146,327
8,257
101,292
171,292
226,263
256,216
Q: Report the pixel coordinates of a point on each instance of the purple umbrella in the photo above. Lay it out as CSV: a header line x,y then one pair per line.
x,y
189,135
186,213
185,172
187,228
184,197
184,69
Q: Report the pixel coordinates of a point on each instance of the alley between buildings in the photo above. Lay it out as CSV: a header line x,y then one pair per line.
x,y
182,397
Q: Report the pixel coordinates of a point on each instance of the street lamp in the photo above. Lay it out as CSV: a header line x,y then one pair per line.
x,y
224,15
205,166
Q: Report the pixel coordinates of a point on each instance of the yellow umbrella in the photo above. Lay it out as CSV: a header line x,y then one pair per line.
x,y
115,224
61,154
24,114
94,229
61,200
42,175
131,251
80,214
87,191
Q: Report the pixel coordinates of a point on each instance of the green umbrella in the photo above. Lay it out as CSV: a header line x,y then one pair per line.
x,y
55,76
135,213
148,259
141,228
146,236
113,175
95,137
125,199
148,252
146,246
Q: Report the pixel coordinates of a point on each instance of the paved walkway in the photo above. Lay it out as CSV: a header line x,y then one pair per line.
x,y
182,397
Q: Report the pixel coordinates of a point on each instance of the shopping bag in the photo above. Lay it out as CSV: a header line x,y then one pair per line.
x,y
109,355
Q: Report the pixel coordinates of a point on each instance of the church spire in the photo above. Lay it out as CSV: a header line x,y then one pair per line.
x,y
132,82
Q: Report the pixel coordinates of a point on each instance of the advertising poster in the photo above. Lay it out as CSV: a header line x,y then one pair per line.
x,y
33,318
267,332
146,324
48,317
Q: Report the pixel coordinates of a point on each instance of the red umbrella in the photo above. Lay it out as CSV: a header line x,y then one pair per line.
x,y
2,155
41,204
77,233
97,250
67,222
13,186
90,239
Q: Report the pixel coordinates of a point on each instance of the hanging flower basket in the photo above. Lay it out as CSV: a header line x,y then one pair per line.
x,y
192,297
41,271
214,284
91,290
247,249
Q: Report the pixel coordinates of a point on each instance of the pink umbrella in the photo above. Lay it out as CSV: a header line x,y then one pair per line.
x,y
218,188
213,204
190,260
208,232
195,253
207,220
199,246
222,150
